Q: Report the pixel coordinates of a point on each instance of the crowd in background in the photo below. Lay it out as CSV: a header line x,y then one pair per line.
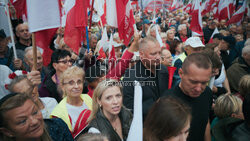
x,y
79,96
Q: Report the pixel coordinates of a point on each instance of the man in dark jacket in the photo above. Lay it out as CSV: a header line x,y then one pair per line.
x,y
152,76
239,68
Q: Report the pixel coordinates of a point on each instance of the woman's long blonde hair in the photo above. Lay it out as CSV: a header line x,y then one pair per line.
x,y
97,95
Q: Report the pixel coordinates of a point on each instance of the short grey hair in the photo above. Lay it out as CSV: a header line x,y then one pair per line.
x,y
246,50
143,43
27,49
247,43
180,27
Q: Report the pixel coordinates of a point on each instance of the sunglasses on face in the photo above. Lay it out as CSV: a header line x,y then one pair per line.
x,y
67,61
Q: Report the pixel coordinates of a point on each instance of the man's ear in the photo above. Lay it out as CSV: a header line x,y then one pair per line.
x,y
181,73
6,132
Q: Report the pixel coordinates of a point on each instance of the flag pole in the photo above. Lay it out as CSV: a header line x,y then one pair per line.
x,y
34,52
143,24
11,31
91,14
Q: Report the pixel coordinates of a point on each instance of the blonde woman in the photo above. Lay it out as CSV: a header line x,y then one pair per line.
x,y
108,116
228,110
75,107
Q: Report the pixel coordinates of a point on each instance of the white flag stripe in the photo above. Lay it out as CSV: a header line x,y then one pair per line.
x,y
43,14
136,128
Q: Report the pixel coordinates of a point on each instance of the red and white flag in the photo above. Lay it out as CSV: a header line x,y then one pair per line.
x,y
196,22
238,15
215,32
100,7
112,57
125,20
232,6
223,10
76,21
188,7
44,23
208,6
21,8
103,41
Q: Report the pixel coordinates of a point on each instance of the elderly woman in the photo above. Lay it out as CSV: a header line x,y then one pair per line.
x,y
21,120
25,84
108,115
75,107
60,61
168,120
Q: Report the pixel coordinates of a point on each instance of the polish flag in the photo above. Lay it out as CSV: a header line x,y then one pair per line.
x,y
208,6
188,7
238,15
125,20
223,10
196,22
44,23
112,57
21,8
215,32
100,7
232,6
103,40
76,21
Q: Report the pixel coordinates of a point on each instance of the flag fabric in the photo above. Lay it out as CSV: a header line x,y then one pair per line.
x,y
208,6
188,7
4,19
136,128
21,8
215,32
111,14
44,23
238,15
100,7
39,17
196,22
43,40
231,7
223,11
125,20
76,21
103,41
112,57
158,37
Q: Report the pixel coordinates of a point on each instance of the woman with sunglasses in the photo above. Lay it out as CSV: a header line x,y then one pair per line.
x,y
75,107
60,61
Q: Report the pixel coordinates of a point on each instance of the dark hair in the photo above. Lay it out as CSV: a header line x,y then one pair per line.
x,y
218,36
93,73
211,45
246,109
173,45
199,59
215,59
167,117
56,56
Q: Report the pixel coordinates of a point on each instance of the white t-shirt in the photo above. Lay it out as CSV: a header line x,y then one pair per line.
x,y
49,105
75,111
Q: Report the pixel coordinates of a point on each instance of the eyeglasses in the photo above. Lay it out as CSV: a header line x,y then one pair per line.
x,y
73,83
67,61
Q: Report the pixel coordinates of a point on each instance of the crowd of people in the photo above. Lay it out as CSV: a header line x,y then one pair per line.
x,y
81,96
